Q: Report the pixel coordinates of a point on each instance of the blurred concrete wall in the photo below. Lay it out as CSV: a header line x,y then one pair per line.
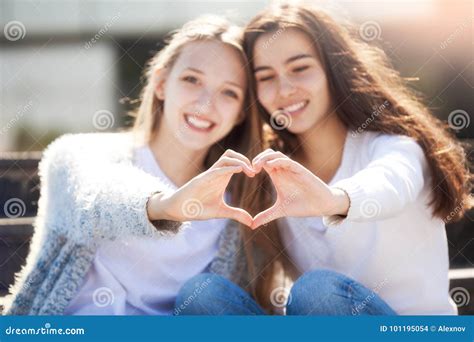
x,y
63,64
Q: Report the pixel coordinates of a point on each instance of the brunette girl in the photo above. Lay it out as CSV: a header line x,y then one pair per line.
x,y
365,176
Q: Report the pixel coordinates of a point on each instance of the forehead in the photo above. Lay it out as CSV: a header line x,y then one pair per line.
x,y
280,45
214,58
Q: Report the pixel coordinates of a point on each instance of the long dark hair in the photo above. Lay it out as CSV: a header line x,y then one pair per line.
x,y
362,83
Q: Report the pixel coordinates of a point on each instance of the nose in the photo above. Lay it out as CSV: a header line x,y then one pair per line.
x,y
204,103
287,88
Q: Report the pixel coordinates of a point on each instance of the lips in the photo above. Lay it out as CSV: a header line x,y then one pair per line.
x,y
199,123
295,108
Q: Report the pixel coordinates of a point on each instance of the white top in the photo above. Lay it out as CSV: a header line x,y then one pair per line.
x,y
142,276
389,241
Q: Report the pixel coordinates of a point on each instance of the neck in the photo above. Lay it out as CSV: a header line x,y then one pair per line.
x,y
178,162
321,147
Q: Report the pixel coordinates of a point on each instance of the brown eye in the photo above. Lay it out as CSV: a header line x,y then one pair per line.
x,y
265,78
190,79
231,93
300,69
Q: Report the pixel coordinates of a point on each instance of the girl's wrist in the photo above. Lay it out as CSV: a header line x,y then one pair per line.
x,y
340,202
157,207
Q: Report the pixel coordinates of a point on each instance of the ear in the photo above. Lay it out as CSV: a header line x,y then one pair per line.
x,y
159,79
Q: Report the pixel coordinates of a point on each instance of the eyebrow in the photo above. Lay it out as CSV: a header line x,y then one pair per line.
x,y
289,60
202,73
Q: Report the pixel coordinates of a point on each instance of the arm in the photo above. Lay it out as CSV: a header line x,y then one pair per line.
x,y
88,196
93,197
392,180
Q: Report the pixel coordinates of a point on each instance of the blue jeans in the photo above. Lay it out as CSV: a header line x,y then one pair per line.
x,y
320,292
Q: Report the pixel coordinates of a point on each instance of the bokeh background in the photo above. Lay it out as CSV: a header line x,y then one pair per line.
x,y
66,66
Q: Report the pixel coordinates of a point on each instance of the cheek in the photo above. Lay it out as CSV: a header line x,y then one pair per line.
x,y
316,83
182,94
229,110
266,94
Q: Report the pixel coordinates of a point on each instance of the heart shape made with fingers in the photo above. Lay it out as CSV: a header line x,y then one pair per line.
x,y
274,175
296,190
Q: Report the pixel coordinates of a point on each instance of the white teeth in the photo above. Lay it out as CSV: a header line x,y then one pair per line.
x,y
295,107
199,123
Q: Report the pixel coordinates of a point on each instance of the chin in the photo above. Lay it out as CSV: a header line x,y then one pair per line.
x,y
299,128
195,143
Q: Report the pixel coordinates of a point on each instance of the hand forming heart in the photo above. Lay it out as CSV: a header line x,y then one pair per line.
x,y
298,192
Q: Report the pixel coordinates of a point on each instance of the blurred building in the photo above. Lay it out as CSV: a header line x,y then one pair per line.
x,y
65,64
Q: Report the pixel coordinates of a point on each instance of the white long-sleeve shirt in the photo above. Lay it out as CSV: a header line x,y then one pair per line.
x,y
389,240
142,275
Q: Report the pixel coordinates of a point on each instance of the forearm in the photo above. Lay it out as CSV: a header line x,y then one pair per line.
x,y
340,202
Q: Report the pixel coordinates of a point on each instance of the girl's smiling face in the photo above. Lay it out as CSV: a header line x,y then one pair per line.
x,y
291,79
203,93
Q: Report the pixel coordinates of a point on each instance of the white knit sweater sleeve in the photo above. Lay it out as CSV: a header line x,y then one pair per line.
x,y
90,196
393,178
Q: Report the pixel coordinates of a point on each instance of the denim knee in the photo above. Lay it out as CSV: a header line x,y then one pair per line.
x,y
320,292
195,294
326,292
212,294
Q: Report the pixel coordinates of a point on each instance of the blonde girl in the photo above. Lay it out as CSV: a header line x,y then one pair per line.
x,y
126,218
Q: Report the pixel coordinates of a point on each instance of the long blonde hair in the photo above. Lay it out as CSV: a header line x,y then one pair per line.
x,y
150,110
246,137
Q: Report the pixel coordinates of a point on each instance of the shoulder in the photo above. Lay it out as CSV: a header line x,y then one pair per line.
x,y
89,146
90,141
378,144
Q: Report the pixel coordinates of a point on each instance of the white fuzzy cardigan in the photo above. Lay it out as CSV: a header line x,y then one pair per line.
x,y
91,192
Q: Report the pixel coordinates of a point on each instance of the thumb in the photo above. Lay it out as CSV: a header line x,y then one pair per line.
x,y
268,215
238,214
